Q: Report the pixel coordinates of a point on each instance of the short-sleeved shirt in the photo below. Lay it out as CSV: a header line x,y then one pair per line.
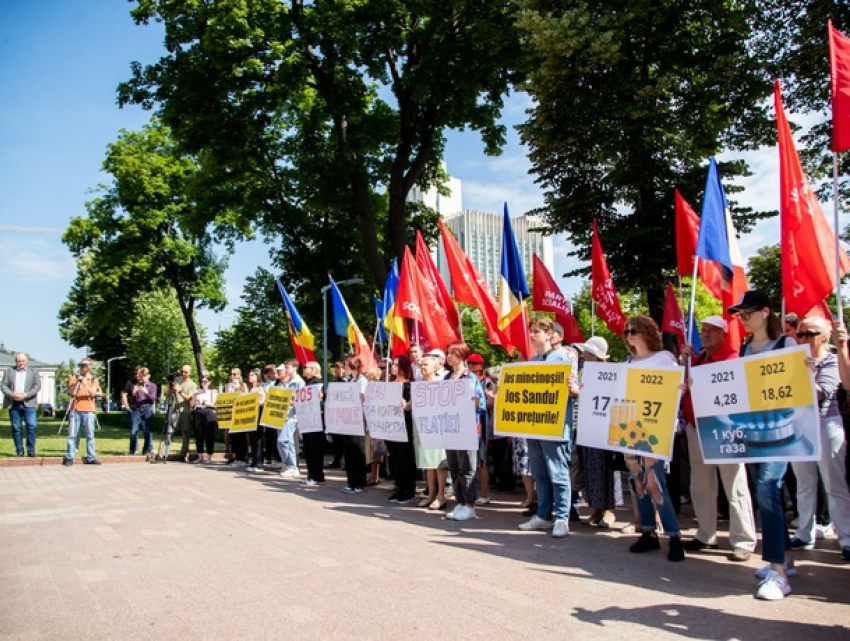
x,y
86,393
188,388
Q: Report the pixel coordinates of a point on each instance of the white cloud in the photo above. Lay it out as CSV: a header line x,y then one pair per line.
x,y
39,261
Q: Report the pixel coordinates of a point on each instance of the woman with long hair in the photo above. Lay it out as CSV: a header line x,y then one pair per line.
x,y
237,442
203,405
255,438
402,455
355,457
648,476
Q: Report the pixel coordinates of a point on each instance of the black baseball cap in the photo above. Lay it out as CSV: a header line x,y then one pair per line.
x,y
752,299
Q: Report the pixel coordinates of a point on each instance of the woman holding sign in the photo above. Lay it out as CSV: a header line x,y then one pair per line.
x,y
433,461
402,455
648,476
765,334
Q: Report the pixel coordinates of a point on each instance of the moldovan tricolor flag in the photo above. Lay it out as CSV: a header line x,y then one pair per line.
x,y
718,242
839,65
546,296
299,334
513,290
434,281
687,233
416,300
602,289
345,325
808,242
471,289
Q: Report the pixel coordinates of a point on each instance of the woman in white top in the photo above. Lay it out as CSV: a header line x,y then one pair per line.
x,y
648,476
256,438
203,405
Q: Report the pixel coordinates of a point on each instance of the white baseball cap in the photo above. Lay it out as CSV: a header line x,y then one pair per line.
x,y
716,321
596,345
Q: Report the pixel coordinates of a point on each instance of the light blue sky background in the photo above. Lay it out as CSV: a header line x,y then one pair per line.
x,y
60,62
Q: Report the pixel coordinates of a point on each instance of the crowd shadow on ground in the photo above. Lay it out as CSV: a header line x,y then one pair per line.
x,y
597,554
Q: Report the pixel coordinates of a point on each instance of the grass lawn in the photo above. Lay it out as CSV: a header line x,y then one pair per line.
x,y
109,441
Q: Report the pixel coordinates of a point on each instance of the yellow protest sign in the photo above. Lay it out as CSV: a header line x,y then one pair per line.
x,y
224,409
779,382
246,411
276,409
531,401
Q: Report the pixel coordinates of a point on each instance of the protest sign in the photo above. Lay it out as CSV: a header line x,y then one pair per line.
x,y
383,411
344,409
224,409
628,408
444,414
276,408
757,408
246,411
532,400
308,408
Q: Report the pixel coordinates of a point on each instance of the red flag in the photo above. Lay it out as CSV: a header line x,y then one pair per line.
x,y
546,296
808,242
416,301
471,289
839,65
602,289
434,281
672,320
687,232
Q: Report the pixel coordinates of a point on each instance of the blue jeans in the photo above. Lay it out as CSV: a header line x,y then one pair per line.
x,y
17,413
774,532
86,420
550,466
286,444
647,507
141,417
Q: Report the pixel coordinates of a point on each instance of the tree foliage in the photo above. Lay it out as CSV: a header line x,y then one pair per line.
x,y
764,272
314,120
143,232
631,99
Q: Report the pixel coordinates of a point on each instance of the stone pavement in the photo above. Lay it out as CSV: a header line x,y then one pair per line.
x,y
187,551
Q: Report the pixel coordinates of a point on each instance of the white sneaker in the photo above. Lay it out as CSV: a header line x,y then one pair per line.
x,y
253,469
535,523
790,570
823,531
482,500
291,473
560,529
773,588
462,513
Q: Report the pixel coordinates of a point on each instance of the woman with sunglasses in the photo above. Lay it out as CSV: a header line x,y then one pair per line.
x,y
765,333
203,405
238,443
402,455
648,476
816,332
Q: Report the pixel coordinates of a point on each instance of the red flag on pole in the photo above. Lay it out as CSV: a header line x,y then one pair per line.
x,y
471,289
546,296
416,301
672,321
602,289
839,65
808,242
434,281
687,232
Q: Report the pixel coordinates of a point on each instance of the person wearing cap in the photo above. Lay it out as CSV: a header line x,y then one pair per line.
x,y
765,334
742,528
558,342
550,460
440,355
289,379
602,488
84,389
431,460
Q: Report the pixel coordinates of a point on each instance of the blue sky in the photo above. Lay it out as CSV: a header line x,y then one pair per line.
x,y
60,63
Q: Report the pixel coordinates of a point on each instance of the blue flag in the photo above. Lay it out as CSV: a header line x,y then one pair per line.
x,y
713,242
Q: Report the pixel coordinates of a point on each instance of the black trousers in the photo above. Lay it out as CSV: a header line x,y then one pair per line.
x,y
314,454
205,427
255,441
270,450
355,461
239,444
403,464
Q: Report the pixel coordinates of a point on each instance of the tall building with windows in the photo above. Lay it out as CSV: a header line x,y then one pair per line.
x,y
480,235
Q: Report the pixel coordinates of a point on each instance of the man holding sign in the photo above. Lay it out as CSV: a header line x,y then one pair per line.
x,y
742,529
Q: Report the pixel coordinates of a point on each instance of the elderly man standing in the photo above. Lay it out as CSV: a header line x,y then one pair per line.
x,y
84,389
742,529
20,396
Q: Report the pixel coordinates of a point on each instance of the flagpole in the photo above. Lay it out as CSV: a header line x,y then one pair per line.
x,y
592,317
839,312
693,302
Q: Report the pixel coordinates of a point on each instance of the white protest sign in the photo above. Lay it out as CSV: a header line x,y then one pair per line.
x,y
383,411
444,414
344,409
308,408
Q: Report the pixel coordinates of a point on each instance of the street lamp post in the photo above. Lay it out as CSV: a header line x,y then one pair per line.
x,y
350,281
109,378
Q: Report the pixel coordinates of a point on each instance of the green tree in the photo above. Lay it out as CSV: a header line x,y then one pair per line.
x,y
764,272
259,334
303,111
631,98
143,232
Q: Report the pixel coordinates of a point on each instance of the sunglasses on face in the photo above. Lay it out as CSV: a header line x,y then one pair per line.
x,y
630,332
807,334
745,316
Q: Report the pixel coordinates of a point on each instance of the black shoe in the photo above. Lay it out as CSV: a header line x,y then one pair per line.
x,y
91,461
335,465
677,551
647,541
392,497
695,545
67,462
531,510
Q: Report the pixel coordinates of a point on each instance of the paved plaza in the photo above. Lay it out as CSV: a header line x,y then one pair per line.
x,y
180,551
